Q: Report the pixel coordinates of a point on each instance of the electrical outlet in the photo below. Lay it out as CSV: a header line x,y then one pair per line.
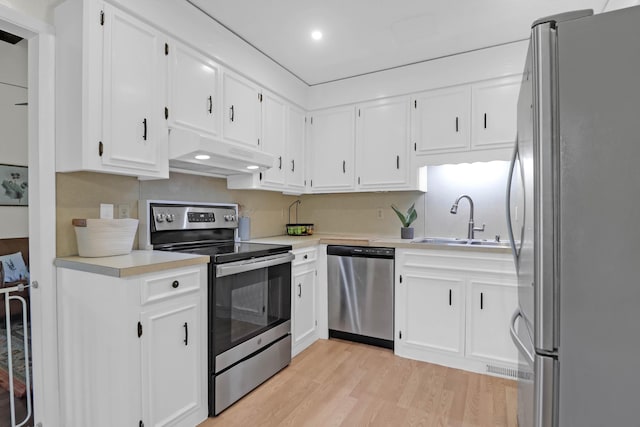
x,y
123,211
380,213
106,211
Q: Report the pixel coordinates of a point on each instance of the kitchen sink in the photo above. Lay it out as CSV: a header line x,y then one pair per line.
x,y
442,241
461,242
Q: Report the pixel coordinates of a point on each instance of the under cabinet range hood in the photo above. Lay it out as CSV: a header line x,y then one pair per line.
x,y
189,151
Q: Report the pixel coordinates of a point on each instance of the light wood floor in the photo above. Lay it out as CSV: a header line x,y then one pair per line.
x,y
339,383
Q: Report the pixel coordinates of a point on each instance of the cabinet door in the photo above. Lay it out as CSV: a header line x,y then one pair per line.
x,y
274,132
490,306
241,110
441,120
171,348
304,296
332,149
193,90
433,310
294,166
382,143
134,127
494,112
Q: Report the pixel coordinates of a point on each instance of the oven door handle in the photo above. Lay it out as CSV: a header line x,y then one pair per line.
x,y
223,270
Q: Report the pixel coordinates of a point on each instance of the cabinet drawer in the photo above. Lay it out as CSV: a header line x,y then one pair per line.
x,y
305,255
169,285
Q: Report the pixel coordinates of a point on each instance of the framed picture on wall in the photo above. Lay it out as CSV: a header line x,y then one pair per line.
x,y
14,185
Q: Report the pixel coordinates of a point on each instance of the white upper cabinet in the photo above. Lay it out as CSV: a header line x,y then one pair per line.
x,y
332,150
283,135
133,116
382,144
194,95
466,123
295,164
494,112
274,133
241,110
441,120
110,92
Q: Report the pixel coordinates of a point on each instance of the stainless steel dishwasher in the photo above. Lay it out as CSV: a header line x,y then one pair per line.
x,y
360,281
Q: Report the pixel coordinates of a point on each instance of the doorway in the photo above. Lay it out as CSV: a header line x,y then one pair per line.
x,y
40,308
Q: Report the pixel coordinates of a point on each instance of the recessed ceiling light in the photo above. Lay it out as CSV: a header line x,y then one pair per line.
x,y
252,167
203,156
316,35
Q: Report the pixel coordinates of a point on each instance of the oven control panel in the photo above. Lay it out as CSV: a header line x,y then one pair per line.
x,y
173,217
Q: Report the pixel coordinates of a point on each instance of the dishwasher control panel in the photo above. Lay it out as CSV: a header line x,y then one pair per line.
x,y
361,251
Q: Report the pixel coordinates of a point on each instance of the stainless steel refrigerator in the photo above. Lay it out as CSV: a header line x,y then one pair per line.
x,y
573,207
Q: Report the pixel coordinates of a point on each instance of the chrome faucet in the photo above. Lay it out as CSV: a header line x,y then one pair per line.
x,y
454,210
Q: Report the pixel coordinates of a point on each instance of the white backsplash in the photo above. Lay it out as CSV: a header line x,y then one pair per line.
x,y
484,182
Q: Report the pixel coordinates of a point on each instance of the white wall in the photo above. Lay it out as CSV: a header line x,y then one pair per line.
x,y
13,129
485,183
468,67
620,4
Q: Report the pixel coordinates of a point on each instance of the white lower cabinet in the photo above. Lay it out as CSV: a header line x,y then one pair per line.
x,y
171,346
453,307
304,299
133,351
434,312
490,305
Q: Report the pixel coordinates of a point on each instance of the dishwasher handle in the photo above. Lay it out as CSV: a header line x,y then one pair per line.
x,y
361,251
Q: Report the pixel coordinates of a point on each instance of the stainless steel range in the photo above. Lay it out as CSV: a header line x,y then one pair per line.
x,y
249,294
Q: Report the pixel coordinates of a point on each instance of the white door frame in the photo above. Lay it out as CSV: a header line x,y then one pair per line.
x,y
42,212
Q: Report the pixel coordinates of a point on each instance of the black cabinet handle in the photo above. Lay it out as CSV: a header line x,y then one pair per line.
x,y
293,165
481,301
280,158
449,296
344,166
210,104
232,113
175,284
485,120
306,256
144,133
397,162
186,333
299,290
456,124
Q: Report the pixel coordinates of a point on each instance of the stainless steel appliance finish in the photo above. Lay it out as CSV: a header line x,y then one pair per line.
x,y
249,294
575,171
360,282
242,378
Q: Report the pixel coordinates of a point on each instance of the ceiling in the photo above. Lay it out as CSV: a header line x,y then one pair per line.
x,y
364,36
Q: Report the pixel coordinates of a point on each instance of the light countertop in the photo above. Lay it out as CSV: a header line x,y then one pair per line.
x,y
299,242
132,264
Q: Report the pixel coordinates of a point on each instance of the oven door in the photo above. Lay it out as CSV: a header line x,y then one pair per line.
x,y
249,298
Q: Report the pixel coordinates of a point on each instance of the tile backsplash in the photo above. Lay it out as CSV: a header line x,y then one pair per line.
x,y
79,195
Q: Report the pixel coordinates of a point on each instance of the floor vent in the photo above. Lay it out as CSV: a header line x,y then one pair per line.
x,y
509,372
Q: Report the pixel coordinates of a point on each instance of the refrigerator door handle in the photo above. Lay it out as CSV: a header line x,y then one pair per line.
x,y
512,242
516,338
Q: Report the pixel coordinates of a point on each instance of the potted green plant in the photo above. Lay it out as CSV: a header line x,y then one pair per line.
x,y
406,232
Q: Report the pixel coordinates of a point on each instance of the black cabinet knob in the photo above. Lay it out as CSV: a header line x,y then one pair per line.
x,y
175,284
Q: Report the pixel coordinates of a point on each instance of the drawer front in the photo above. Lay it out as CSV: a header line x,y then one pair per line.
x,y
305,255
170,284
